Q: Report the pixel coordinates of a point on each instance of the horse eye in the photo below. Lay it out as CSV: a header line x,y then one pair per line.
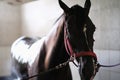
x,y
93,39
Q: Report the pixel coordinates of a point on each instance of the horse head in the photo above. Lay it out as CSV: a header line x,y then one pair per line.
x,y
79,40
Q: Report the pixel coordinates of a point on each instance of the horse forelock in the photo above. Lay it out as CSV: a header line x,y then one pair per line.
x,y
52,38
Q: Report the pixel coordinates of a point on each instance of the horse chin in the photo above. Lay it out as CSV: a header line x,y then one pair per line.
x,y
85,76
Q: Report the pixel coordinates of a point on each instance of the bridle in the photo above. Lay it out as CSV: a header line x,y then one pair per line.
x,y
69,48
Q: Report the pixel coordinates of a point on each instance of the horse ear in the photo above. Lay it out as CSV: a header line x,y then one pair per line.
x,y
87,6
64,6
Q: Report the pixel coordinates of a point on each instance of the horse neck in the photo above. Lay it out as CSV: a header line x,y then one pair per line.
x,y
54,38
53,35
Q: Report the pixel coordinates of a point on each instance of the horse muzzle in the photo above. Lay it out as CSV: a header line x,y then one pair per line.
x,y
88,67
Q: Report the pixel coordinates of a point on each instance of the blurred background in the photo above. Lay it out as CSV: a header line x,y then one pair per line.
x,y
35,18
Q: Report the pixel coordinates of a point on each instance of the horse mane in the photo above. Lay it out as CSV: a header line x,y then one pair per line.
x,y
59,18
53,37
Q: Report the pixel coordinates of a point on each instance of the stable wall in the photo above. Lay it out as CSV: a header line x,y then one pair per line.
x,y
38,17
10,30
10,23
106,16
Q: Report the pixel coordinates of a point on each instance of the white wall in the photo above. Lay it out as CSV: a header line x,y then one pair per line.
x,y
38,17
10,24
5,61
106,16
10,29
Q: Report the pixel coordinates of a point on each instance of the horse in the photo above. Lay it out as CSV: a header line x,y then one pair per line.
x,y
70,40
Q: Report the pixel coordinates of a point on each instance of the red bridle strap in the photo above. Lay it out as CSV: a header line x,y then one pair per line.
x,y
70,50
